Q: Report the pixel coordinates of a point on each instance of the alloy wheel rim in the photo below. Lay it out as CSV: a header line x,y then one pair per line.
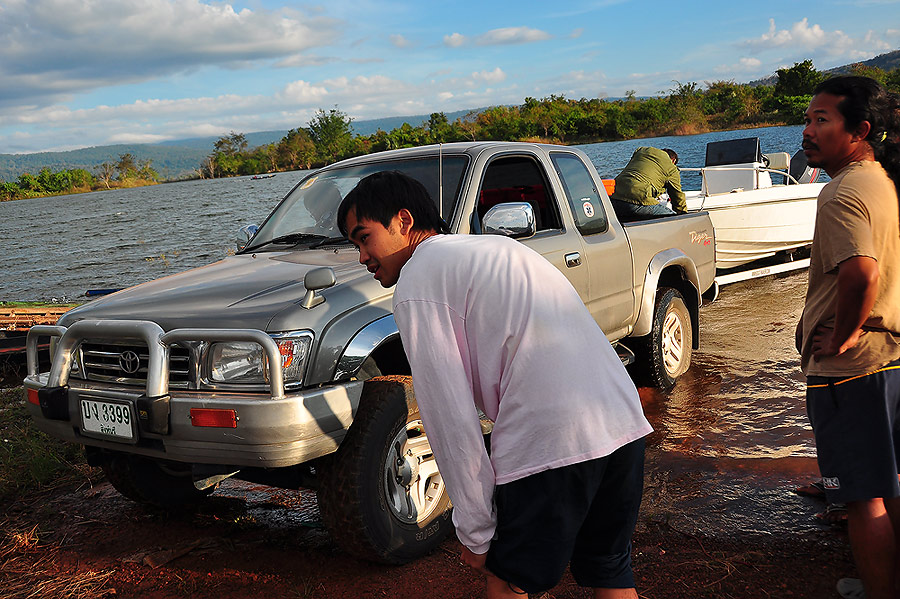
x,y
412,483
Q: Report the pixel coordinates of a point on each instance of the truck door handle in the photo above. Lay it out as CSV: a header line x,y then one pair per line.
x,y
573,259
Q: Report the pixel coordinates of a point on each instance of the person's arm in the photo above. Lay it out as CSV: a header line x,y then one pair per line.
x,y
857,287
434,341
676,195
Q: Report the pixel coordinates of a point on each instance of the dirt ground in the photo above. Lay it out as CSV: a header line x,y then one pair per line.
x,y
247,542
718,520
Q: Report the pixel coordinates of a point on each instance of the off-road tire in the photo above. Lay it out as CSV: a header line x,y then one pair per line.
x,y
163,485
665,354
353,483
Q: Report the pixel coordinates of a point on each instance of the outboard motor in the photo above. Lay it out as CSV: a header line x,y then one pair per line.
x,y
800,169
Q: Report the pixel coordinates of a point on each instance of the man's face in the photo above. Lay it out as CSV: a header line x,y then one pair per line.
x,y
826,142
383,250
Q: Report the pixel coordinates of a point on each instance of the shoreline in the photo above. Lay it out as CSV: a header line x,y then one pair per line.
x,y
683,131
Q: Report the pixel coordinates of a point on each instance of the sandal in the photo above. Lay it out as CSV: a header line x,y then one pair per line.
x,y
835,514
815,489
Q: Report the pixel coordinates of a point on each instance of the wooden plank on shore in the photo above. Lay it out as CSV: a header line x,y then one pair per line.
x,y
15,318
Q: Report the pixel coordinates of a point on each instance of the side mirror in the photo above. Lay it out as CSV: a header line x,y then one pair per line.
x,y
245,235
513,219
317,278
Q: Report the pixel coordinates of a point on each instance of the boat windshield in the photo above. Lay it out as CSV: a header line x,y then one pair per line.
x,y
309,213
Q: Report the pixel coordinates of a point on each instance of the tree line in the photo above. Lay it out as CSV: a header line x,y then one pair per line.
x,y
127,171
688,108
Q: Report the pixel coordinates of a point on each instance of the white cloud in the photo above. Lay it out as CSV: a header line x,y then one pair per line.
x,y
816,42
305,60
400,41
577,33
454,40
136,138
744,65
512,35
495,76
302,92
52,48
499,37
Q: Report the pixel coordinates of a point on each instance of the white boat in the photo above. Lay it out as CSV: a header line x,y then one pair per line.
x,y
753,216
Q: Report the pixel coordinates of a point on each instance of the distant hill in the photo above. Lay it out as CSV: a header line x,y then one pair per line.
x,y
174,158
888,62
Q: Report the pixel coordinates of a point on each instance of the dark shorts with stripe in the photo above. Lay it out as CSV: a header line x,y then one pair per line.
x,y
856,421
581,515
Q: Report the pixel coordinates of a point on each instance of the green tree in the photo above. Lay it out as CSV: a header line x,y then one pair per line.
x,y
331,133
28,182
231,144
105,172
798,80
685,103
127,167
147,172
439,128
296,150
10,191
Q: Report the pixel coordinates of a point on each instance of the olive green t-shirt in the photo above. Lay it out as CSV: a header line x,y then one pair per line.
x,y
856,215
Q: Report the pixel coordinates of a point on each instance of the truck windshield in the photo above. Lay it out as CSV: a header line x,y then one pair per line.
x,y
308,213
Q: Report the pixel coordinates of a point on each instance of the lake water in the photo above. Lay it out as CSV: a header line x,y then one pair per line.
x,y
57,248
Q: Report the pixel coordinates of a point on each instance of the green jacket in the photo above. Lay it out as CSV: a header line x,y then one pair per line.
x,y
649,173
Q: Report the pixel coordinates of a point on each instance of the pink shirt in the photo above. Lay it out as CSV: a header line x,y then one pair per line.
x,y
487,322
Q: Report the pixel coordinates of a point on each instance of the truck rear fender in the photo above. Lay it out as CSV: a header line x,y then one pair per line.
x,y
669,268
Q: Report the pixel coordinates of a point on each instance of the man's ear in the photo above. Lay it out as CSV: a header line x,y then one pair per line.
x,y
862,131
406,221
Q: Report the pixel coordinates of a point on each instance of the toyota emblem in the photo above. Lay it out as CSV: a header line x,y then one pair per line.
x,y
129,362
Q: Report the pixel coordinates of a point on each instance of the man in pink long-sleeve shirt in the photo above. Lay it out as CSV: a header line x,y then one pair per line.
x,y
486,322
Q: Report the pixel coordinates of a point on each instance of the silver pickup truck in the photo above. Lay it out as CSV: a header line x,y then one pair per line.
x,y
282,364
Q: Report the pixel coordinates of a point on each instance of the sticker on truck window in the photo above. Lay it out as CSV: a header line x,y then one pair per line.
x,y
309,183
587,207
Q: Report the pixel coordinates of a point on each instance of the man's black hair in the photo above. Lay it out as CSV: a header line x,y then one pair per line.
x,y
380,196
672,155
864,99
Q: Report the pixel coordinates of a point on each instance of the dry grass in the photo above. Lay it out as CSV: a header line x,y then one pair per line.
x,y
28,570
31,460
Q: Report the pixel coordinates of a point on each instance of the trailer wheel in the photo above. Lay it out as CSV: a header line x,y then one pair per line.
x,y
666,351
381,495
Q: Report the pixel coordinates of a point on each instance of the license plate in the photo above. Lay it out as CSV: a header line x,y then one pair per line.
x,y
106,418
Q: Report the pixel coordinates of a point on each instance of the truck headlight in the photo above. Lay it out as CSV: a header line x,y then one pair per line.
x,y
241,362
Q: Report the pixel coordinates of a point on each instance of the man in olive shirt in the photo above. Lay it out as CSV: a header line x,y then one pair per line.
x,y
849,333
649,173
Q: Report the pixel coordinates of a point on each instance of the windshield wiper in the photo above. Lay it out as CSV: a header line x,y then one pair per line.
x,y
330,241
290,238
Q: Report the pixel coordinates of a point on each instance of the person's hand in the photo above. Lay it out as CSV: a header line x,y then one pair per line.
x,y
474,560
824,344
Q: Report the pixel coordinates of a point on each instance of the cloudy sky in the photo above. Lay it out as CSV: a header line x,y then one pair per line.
x,y
76,73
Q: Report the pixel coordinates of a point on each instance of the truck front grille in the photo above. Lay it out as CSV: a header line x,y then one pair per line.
x,y
127,364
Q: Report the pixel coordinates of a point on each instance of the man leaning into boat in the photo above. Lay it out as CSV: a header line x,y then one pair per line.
x,y
849,332
649,173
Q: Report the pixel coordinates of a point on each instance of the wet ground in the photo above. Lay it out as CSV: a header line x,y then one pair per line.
x,y
719,518
733,438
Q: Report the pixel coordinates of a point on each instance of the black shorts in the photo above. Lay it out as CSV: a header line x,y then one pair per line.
x,y
856,421
583,515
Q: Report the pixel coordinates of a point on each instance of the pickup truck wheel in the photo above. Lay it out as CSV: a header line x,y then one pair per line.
x,y
667,351
381,495
165,485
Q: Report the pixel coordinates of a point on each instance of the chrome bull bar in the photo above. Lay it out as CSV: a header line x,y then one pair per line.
x,y
158,344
